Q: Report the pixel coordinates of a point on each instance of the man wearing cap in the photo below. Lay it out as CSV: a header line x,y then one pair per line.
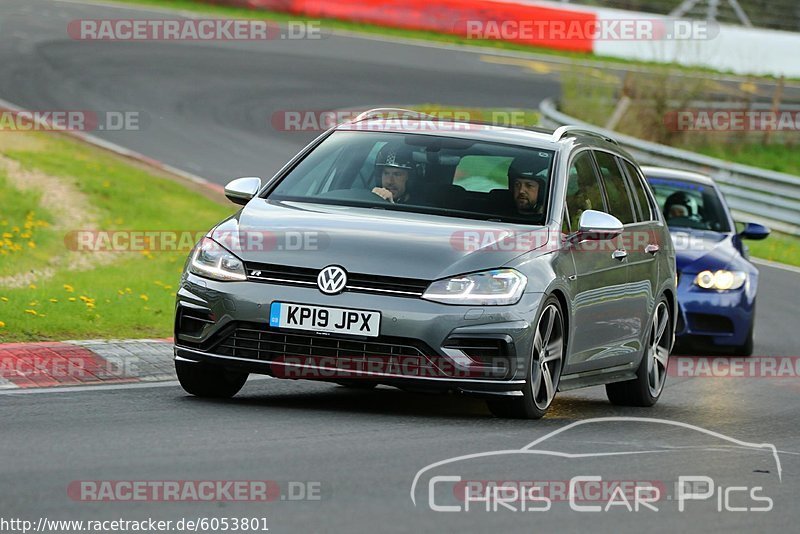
x,y
395,165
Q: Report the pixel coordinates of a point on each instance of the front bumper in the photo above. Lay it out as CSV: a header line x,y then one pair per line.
x,y
719,318
421,343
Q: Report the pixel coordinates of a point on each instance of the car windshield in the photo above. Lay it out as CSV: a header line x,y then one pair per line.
x,y
425,174
688,204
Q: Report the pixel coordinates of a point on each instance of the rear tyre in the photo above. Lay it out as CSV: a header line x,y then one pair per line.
x,y
651,375
203,380
544,368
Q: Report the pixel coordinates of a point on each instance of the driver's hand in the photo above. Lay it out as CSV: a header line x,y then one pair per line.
x,y
384,193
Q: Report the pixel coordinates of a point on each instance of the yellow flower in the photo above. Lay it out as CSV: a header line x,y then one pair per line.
x,y
33,303
32,286
68,288
144,297
4,299
158,283
2,324
128,290
72,299
7,235
32,312
31,244
90,305
53,300
167,287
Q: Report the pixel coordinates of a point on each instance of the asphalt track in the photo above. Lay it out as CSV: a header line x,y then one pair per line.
x,y
209,108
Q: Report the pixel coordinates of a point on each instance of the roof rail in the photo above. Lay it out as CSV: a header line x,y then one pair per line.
x,y
563,131
376,113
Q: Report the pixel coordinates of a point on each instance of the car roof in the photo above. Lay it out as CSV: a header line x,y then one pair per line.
x,y
665,172
538,137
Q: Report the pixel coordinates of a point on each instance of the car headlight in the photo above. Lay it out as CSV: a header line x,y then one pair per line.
x,y
491,288
722,280
212,260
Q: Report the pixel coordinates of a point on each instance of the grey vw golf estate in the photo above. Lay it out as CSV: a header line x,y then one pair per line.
x,y
438,256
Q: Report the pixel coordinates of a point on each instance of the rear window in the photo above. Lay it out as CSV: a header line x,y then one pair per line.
x,y
426,174
638,187
619,201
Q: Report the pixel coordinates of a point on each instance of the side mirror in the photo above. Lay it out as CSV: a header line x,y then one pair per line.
x,y
754,231
598,226
241,190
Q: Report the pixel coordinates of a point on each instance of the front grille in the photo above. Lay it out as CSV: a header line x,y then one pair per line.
x,y
381,355
356,282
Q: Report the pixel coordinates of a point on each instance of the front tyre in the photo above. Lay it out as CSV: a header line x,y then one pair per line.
x,y
203,380
544,369
651,375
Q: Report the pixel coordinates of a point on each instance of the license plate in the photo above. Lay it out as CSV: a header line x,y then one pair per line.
x,y
324,319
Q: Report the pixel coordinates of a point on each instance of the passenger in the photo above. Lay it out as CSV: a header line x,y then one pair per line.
x,y
527,189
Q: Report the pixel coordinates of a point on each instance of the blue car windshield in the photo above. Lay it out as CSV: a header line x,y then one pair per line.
x,y
688,204
425,174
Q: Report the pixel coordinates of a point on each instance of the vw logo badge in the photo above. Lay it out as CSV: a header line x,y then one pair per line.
x,y
331,280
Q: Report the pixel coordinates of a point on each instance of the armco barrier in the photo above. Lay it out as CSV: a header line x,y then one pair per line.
x,y
756,194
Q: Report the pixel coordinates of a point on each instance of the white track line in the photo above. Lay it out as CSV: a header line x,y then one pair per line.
x,y
776,265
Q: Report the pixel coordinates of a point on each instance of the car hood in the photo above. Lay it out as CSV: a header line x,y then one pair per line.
x,y
697,250
372,241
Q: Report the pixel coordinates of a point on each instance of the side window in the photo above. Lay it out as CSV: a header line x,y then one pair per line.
x,y
583,189
638,187
619,201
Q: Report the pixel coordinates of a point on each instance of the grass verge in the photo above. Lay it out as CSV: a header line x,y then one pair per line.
x,y
778,247
91,294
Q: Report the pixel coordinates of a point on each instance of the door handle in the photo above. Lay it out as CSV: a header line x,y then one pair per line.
x,y
619,254
652,249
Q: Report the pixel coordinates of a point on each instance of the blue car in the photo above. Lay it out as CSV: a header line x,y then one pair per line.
x,y
717,283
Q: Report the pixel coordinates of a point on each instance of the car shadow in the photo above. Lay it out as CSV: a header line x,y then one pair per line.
x,y
391,402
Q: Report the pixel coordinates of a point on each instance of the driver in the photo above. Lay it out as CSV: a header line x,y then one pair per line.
x,y
527,188
677,206
395,166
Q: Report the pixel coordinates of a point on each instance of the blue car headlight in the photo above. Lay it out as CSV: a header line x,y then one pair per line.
x,y
721,280
498,287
